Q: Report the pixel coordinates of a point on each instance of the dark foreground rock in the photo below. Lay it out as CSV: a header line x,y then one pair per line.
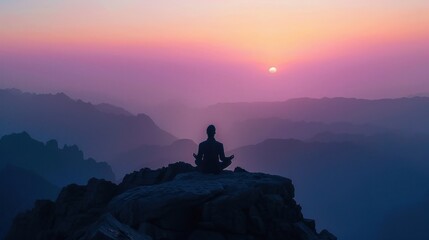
x,y
172,203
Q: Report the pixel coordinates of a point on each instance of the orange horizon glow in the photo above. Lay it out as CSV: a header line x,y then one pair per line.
x,y
269,34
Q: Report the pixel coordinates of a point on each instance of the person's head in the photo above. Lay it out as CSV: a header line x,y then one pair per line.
x,y
211,131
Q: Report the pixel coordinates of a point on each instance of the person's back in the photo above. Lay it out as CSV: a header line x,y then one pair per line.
x,y
209,154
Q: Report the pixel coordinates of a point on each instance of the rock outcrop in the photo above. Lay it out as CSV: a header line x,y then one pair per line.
x,y
175,202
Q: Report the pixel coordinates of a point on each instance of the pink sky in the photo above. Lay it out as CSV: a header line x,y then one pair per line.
x,y
138,53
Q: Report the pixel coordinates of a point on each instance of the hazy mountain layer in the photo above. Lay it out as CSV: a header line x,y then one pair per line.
x,y
254,131
407,115
59,166
100,133
349,184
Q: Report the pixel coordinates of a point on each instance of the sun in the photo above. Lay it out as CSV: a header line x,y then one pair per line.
x,y
272,70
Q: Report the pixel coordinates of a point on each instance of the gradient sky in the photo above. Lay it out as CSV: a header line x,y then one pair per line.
x,y
136,53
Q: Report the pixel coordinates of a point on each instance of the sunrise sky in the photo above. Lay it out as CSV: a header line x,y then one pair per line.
x,y
136,53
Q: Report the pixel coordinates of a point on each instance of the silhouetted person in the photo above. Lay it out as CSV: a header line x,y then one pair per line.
x,y
209,153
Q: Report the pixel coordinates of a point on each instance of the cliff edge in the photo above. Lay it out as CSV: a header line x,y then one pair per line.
x,y
175,202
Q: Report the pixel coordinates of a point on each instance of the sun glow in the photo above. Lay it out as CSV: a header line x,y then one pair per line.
x,y
272,70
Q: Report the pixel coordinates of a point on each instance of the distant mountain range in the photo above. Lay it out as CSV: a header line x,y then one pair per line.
x,y
253,131
408,115
100,130
349,182
60,166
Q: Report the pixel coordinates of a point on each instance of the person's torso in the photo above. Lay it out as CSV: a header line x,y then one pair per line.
x,y
211,150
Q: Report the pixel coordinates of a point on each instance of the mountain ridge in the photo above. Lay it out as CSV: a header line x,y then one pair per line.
x,y
58,165
57,116
407,115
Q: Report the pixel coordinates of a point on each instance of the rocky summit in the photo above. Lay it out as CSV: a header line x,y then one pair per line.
x,y
175,202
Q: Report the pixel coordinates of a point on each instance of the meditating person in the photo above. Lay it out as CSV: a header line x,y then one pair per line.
x,y
209,154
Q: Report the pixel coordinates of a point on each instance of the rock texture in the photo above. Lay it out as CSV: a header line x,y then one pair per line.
x,y
172,203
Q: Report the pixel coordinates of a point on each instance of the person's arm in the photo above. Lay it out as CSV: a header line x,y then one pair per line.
x,y
199,156
222,154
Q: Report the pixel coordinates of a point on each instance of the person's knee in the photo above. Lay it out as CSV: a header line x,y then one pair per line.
x,y
225,164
